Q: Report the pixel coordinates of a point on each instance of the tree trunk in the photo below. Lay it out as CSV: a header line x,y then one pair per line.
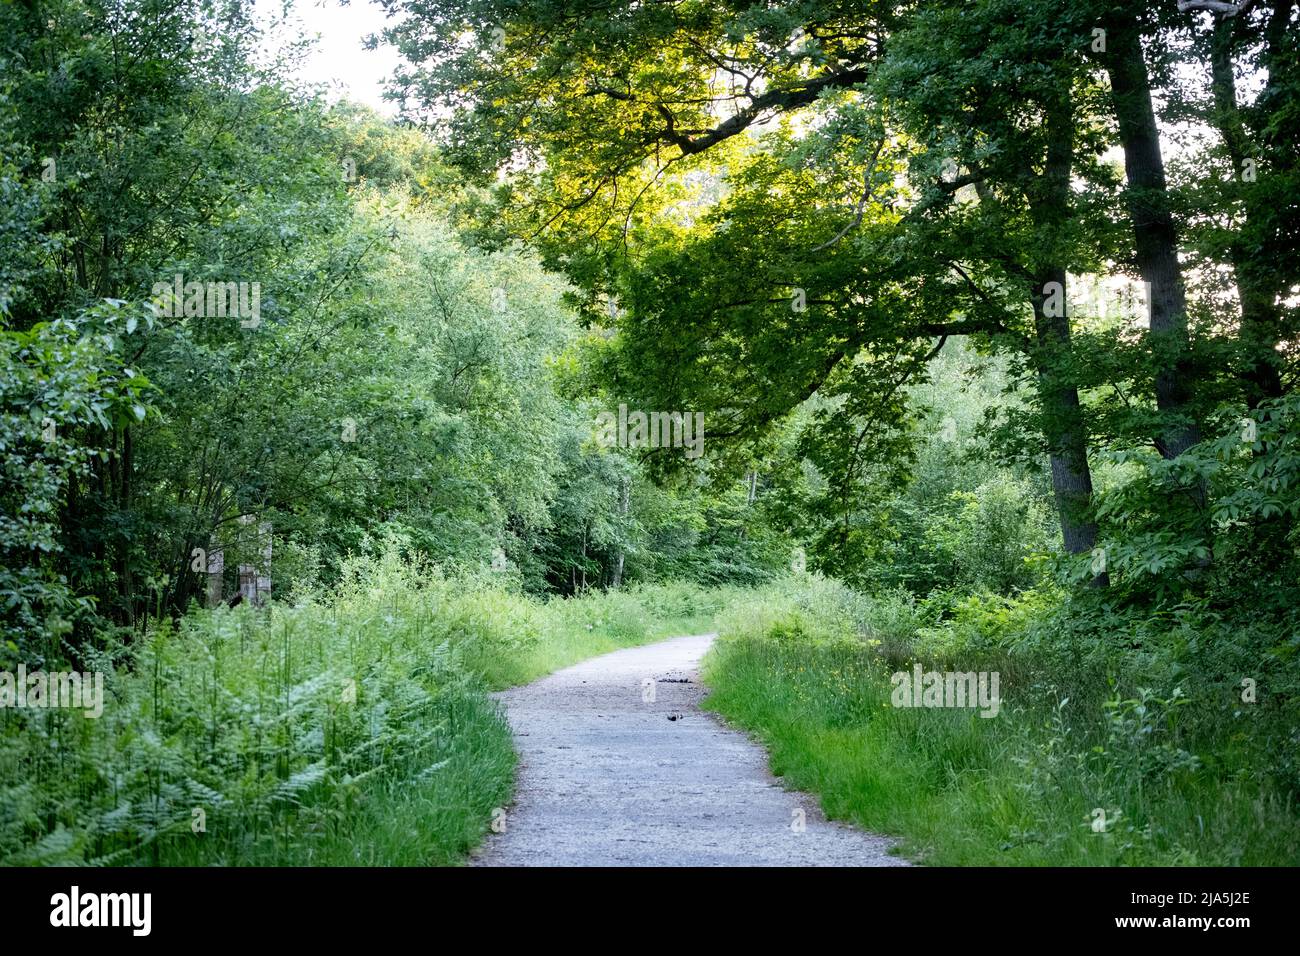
x,y
624,499
1063,424
1260,318
1155,236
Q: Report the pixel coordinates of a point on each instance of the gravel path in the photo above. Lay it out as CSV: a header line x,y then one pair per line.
x,y
609,779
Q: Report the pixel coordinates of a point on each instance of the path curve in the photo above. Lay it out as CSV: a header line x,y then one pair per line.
x,y
608,779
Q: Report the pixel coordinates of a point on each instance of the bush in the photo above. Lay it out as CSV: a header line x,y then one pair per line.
x,y
992,535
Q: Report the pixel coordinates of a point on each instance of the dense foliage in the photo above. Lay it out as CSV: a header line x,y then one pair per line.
x,y
948,275
349,730
989,312
1118,742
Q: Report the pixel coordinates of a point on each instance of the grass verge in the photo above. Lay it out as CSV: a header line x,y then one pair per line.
x,y
1104,772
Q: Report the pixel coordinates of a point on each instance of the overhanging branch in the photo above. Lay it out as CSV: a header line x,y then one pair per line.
x,y
775,99
1225,10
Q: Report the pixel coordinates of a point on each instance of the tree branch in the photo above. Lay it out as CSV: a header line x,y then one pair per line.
x,y
1226,10
862,202
784,99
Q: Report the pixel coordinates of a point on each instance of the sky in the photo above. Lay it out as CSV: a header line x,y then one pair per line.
x,y
339,60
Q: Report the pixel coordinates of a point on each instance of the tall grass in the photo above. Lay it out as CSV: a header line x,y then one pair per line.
x,y
353,728
1088,767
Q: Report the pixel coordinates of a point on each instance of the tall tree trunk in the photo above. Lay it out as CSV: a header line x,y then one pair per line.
x,y
1155,237
624,500
1063,423
1256,252
1260,317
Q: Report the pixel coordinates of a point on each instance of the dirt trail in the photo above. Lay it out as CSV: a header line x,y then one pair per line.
x,y
610,779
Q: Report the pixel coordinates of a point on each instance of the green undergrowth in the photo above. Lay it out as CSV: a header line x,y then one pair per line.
x,y
354,727
1104,750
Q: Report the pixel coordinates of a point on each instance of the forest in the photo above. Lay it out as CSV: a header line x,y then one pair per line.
x,y
878,338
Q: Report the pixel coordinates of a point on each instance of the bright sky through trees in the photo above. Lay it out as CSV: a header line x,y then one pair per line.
x,y
338,59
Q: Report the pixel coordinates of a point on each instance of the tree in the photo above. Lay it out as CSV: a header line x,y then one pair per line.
x,y
1154,231
619,132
